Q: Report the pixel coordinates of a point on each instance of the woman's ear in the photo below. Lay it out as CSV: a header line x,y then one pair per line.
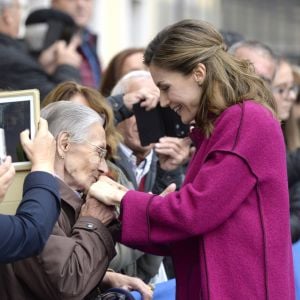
x,y
199,73
63,143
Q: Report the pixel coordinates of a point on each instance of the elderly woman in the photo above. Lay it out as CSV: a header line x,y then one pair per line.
x,y
78,252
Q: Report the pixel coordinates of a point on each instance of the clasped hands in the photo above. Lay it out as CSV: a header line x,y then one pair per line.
x,y
107,191
111,193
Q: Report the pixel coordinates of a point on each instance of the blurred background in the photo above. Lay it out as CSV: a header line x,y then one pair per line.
x,y
126,23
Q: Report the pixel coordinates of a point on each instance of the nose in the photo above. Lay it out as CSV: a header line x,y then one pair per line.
x,y
164,101
103,168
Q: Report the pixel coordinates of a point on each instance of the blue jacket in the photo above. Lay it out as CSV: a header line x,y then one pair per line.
x,y
26,233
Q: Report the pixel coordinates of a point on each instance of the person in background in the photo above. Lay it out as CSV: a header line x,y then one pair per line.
x,y
285,93
129,59
149,169
260,55
26,233
278,76
76,256
123,62
231,37
90,97
18,69
81,12
48,31
223,225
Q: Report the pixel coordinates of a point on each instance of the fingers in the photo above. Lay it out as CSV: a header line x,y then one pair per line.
x,y
169,189
75,42
113,183
42,128
26,143
7,172
24,137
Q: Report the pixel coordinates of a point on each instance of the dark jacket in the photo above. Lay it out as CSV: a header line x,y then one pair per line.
x,y
157,179
293,169
18,70
26,233
72,263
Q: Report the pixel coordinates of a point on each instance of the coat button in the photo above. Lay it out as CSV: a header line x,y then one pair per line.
x,y
90,225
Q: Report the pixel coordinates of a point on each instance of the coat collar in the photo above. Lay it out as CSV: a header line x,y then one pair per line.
x,y
70,196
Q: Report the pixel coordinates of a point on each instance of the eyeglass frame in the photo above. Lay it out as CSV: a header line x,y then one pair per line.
x,y
283,90
102,152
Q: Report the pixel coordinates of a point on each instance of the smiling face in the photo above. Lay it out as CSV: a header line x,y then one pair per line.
x,y
182,93
82,163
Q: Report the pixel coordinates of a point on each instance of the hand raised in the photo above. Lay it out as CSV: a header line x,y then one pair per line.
x,y
41,149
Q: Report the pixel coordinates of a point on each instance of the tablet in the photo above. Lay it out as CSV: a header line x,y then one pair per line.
x,y
19,110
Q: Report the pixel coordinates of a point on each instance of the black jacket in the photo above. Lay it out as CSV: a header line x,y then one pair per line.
x,y
293,169
18,70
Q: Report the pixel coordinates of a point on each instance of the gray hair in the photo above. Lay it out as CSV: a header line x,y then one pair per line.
x,y
5,3
260,47
121,85
66,116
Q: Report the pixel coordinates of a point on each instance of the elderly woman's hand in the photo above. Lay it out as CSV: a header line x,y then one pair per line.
x,y
40,150
107,191
118,280
7,172
94,208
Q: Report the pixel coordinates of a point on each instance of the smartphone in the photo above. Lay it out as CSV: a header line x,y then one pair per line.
x,y
149,123
158,122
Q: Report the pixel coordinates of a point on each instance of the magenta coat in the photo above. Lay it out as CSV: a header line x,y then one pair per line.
x,y
227,228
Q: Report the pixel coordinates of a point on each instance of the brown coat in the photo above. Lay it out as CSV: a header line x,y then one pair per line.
x,y
72,263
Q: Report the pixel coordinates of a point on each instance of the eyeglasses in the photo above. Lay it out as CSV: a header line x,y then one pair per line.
x,y
281,90
102,152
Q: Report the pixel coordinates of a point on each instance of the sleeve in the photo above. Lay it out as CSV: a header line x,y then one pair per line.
x,y
121,112
197,208
69,267
26,233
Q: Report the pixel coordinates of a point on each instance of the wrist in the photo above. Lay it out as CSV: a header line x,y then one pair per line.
x,y
44,167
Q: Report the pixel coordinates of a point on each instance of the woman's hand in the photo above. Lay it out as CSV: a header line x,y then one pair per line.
x,y
173,152
107,191
40,150
7,173
117,280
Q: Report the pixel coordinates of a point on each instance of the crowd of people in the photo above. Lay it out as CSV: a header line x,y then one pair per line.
x,y
217,209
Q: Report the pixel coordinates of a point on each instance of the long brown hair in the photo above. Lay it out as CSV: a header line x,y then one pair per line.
x,y
66,90
182,46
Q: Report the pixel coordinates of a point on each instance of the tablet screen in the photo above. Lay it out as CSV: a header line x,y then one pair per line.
x,y
18,111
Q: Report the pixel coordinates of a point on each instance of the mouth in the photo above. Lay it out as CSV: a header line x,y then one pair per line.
x,y
177,108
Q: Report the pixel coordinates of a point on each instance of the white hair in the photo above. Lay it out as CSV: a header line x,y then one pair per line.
x,y
73,118
5,3
121,85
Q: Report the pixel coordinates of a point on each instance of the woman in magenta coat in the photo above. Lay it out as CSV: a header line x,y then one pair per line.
x,y
227,228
